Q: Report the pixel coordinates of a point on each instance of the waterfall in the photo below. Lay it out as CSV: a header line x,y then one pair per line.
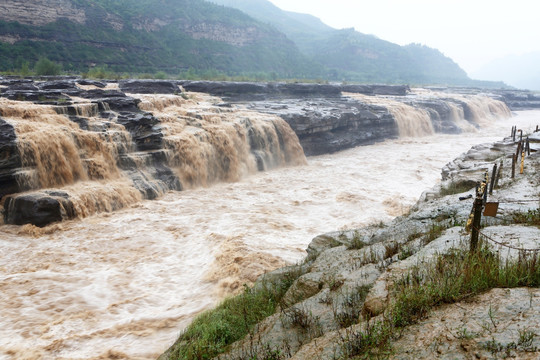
x,y
209,143
415,115
411,121
77,161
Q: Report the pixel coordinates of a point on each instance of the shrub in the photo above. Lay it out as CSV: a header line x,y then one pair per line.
x,y
45,66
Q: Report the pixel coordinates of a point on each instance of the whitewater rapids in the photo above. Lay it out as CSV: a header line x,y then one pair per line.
x,y
123,284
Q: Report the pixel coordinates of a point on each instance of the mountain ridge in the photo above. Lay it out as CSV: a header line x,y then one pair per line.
x,y
185,37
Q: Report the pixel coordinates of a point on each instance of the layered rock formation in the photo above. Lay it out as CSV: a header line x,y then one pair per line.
x,y
71,148
49,11
155,136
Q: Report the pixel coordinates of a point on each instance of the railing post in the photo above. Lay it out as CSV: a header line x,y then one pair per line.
x,y
493,176
478,202
499,173
522,161
514,159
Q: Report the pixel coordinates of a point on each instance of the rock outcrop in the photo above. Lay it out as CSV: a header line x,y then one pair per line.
x,y
520,99
10,160
40,12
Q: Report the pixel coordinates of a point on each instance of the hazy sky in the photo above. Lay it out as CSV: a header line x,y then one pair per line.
x,y
471,32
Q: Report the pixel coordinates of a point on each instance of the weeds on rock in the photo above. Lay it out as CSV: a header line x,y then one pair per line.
x,y
367,342
524,343
351,306
449,278
391,248
356,242
406,252
302,319
531,217
434,232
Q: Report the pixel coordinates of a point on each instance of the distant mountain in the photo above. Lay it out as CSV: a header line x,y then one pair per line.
x,y
521,71
145,36
351,55
196,37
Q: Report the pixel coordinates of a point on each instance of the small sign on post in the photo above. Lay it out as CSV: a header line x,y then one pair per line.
x,y
491,209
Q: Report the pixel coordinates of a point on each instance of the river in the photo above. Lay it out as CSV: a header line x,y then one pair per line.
x,y
123,285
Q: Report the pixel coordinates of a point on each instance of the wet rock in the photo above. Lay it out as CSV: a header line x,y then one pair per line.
x,y
237,90
10,160
257,91
23,86
396,90
327,125
520,99
57,85
121,103
37,96
144,129
149,87
96,83
39,209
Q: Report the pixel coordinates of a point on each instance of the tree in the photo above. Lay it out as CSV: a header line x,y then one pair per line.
x,y
45,66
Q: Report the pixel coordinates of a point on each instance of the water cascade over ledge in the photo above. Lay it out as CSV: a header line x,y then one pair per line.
x,y
75,160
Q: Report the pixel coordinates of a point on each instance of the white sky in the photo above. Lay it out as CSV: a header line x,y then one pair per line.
x,y
471,32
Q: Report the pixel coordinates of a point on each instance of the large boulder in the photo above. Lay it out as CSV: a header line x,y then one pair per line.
x,y
40,209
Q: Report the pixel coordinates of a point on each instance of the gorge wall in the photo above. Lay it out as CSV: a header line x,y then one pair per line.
x,y
72,147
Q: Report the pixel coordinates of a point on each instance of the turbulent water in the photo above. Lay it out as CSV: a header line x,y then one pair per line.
x,y
124,284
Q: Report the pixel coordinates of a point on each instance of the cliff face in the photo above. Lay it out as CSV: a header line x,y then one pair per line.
x,y
40,12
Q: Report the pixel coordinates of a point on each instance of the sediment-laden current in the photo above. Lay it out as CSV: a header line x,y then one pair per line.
x,y
124,284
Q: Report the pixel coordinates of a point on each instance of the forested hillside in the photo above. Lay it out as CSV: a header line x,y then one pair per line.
x,y
196,38
145,36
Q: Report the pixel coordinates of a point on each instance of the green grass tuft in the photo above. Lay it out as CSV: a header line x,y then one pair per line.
x,y
213,331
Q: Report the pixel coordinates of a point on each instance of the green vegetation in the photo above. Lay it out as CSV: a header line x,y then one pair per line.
x,y
351,308
450,278
348,55
124,37
213,331
195,39
456,188
45,66
531,217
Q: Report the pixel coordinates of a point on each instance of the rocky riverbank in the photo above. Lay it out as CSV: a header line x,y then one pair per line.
x,y
400,290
